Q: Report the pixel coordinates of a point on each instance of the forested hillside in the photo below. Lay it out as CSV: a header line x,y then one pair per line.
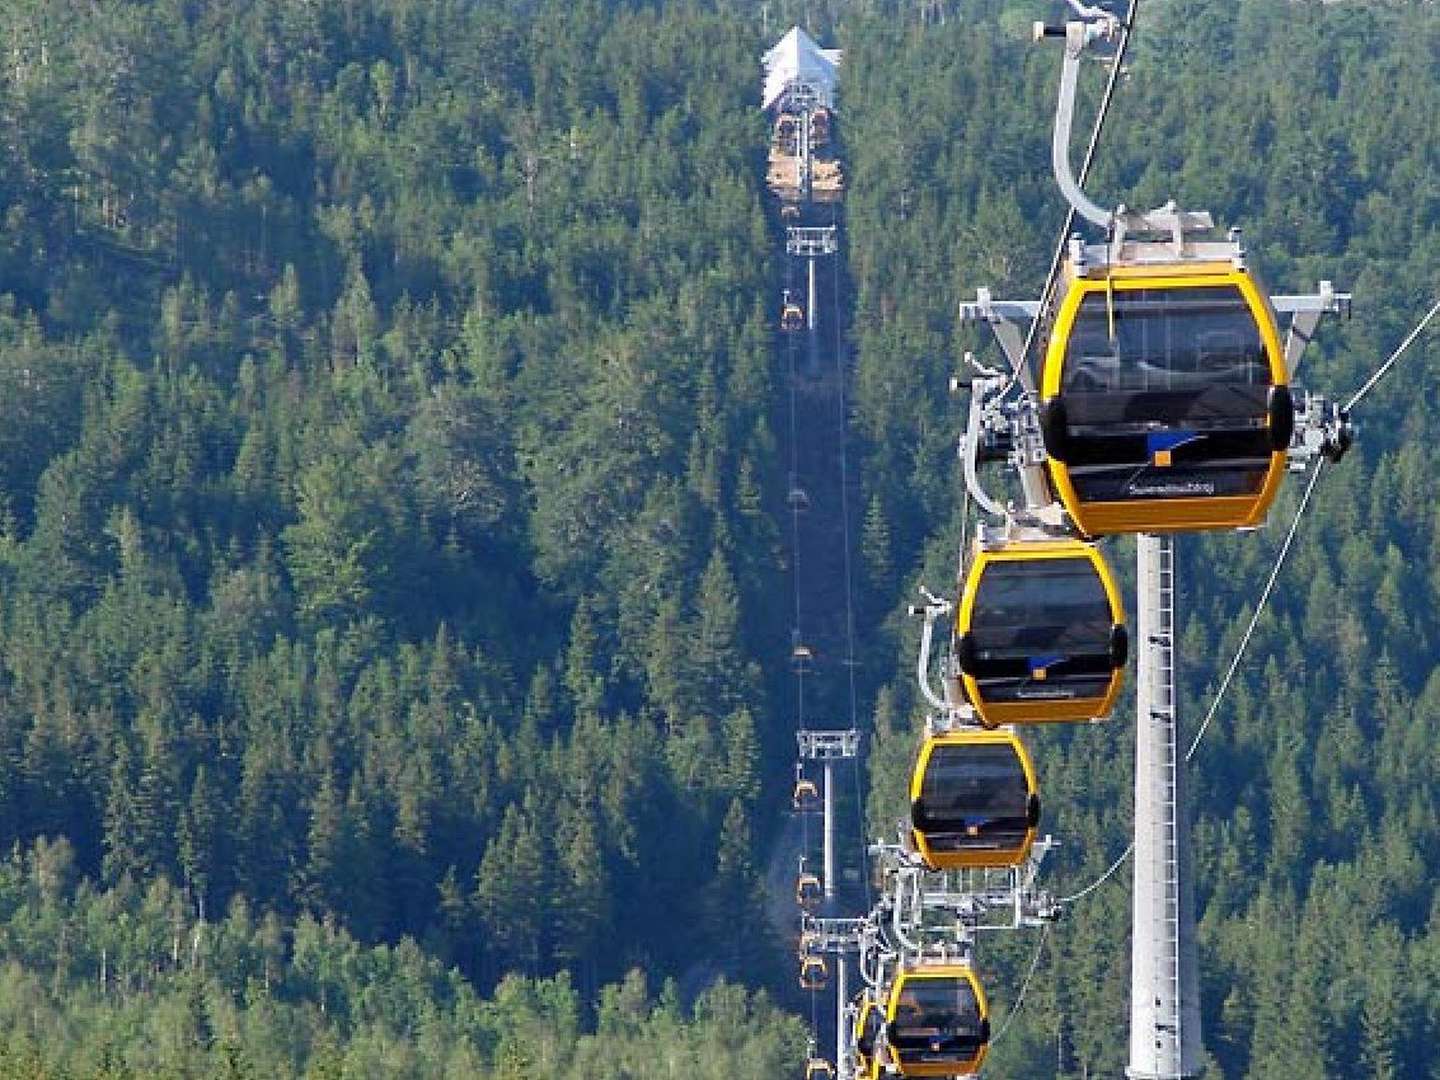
x,y
385,464
389,568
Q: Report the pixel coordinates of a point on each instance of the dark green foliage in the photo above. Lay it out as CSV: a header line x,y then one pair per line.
x,y
126,983
362,367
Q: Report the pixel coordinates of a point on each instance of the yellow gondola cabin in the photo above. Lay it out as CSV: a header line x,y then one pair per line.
x,y
1165,400
974,801
1040,633
937,1021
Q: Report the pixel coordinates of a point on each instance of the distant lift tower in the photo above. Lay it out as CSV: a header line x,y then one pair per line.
x,y
810,244
841,939
829,747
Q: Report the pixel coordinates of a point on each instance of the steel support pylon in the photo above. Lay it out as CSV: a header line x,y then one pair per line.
x,y
810,305
828,747
829,846
1165,1039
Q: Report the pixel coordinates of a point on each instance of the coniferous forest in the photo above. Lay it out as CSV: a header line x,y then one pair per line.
x,y
392,578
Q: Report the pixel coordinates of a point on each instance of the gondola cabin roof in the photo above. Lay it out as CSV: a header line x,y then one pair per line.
x,y
1164,397
1040,634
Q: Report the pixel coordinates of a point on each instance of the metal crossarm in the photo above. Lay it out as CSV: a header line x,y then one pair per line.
x,y
828,745
811,242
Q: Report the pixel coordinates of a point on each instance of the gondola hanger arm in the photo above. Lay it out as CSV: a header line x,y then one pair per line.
x,y
1003,318
1078,36
981,389
934,608
1305,313
1093,11
1097,25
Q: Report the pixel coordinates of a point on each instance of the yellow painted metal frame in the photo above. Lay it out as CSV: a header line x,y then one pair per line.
x,y
1066,710
955,860
935,973
1164,515
866,1067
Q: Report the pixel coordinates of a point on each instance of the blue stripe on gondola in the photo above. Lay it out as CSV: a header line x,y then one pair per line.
x,y
1168,440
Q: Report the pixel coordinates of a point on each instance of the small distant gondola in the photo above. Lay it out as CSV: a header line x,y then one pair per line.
x,y
806,796
1040,633
807,890
813,973
792,316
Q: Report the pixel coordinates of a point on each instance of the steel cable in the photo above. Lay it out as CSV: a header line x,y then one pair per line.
x,y
1355,399
792,487
844,486
1259,610
1024,986
1384,368
1234,663
860,818
1102,878
1126,28
840,375
790,494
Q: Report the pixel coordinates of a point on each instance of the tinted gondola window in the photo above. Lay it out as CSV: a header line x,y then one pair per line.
x,y
1164,340
1041,604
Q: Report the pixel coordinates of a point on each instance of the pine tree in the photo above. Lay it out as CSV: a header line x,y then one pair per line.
x,y
736,921
876,551
741,773
200,838
335,553
325,851
582,661
510,893
668,666
582,909
722,681
355,327
456,921
126,824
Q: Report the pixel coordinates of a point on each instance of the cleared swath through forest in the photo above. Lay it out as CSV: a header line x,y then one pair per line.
x,y
812,416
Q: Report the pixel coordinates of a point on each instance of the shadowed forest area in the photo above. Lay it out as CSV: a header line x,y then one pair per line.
x,y
392,621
